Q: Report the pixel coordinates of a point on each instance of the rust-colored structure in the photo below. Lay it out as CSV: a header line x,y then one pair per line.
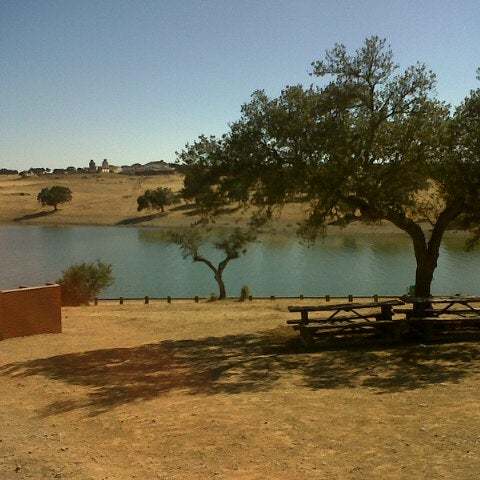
x,y
30,311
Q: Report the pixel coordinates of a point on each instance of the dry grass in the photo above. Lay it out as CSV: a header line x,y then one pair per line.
x,y
111,199
223,390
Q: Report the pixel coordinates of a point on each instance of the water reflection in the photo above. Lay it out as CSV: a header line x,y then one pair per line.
x,y
145,264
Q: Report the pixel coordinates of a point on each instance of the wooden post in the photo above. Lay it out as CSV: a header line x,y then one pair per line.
x,y
121,300
95,301
147,300
375,298
327,298
250,298
169,299
196,298
350,298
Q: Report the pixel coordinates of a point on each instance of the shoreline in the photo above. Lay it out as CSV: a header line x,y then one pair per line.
x,y
109,200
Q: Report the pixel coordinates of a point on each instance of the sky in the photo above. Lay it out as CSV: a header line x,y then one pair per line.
x,y
134,81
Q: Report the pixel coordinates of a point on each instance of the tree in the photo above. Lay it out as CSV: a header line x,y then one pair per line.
x,y
82,282
232,245
55,195
156,199
372,144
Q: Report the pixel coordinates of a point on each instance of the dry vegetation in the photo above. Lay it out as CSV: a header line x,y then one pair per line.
x,y
111,199
223,390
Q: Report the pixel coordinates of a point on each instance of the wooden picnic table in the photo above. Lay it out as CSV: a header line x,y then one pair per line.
x,y
439,313
342,317
425,306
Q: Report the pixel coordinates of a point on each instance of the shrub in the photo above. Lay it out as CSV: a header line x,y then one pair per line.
x,y
82,282
244,293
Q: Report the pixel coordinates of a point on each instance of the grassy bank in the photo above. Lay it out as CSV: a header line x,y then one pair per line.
x,y
222,390
111,199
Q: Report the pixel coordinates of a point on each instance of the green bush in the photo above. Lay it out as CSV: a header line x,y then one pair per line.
x,y
82,282
244,293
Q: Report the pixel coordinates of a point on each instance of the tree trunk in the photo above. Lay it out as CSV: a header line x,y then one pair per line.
x,y
424,276
55,208
423,282
222,293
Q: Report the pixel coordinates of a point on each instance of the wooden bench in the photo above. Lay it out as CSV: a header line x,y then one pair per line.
x,y
344,317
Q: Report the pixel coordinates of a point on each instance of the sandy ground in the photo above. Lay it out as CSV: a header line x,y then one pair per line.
x,y
111,199
223,390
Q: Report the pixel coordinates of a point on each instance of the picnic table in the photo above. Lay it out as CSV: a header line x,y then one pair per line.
x,y
436,313
343,317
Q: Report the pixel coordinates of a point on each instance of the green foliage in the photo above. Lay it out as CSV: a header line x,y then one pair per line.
x,y
55,195
156,199
244,293
82,282
369,143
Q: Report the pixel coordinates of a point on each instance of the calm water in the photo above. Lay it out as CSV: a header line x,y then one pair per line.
x,y
143,265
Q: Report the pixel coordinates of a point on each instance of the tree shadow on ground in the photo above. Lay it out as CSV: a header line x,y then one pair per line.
x,y
195,211
145,218
31,216
235,364
182,207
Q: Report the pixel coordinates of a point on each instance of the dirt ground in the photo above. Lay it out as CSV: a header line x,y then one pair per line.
x,y
111,199
224,390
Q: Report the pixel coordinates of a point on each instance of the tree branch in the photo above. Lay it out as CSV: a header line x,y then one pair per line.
x,y
198,258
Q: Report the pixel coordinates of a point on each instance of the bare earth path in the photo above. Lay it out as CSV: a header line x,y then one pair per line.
x,y
209,391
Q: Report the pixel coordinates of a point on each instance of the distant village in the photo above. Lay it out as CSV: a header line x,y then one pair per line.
x,y
152,168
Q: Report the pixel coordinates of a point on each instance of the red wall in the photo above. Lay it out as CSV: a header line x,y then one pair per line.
x,y
30,311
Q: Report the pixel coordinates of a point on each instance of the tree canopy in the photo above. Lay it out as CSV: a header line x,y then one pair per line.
x,y
54,196
371,142
233,245
156,199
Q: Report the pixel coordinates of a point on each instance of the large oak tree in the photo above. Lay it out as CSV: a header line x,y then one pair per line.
x,y
371,143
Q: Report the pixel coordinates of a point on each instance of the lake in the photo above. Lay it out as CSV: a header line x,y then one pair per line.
x,y
143,265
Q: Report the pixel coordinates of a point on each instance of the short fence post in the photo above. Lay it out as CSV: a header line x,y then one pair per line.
x,y
95,301
350,298
169,299
147,300
327,298
121,300
301,296
196,298
250,298
375,298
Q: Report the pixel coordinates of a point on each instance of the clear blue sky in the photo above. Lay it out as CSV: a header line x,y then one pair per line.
x,y
133,81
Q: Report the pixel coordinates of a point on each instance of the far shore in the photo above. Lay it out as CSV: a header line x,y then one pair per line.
x,y
110,200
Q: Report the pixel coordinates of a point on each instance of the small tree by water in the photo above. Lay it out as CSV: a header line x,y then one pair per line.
x,y
232,244
82,282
